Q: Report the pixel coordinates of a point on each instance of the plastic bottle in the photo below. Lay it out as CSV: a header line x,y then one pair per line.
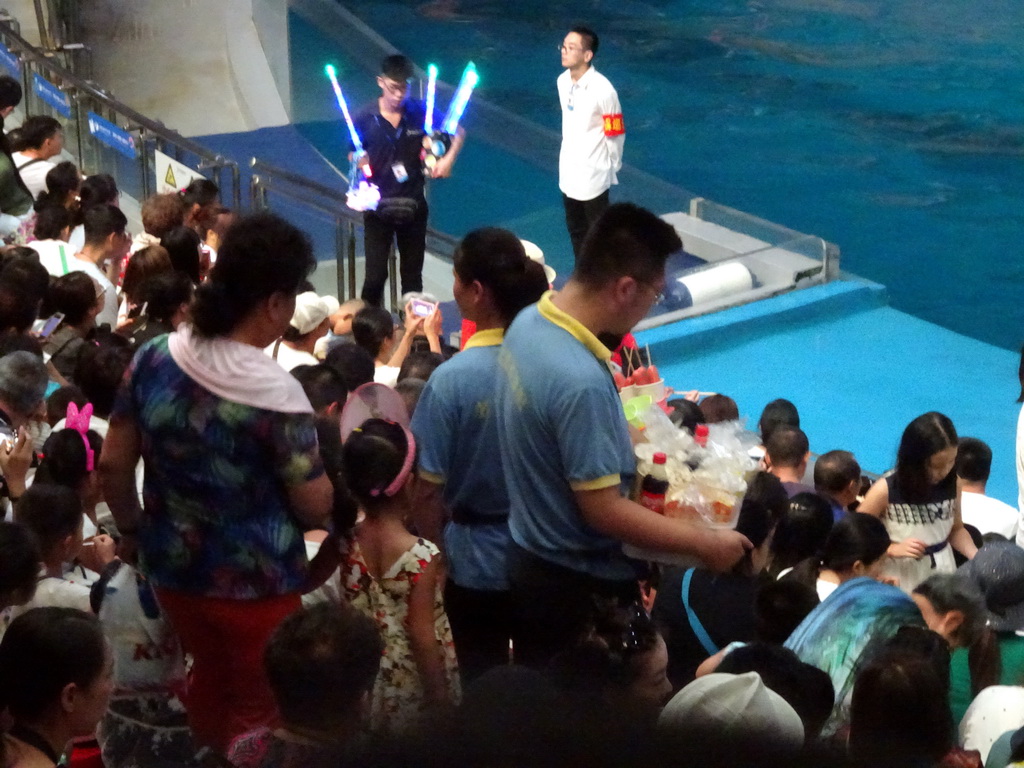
x,y
654,487
700,435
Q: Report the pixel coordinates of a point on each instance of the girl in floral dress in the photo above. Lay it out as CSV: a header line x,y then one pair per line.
x,y
393,577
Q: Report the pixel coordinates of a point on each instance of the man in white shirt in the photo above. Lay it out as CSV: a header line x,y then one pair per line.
x,y
41,137
988,515
106,245
593,135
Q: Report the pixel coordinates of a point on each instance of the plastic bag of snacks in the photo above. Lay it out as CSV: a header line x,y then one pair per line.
x,y
706,483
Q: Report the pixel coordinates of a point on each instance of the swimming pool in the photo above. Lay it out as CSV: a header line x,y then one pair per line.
x,y
892,129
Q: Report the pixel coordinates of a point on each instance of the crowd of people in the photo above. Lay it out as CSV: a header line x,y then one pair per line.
x,y
249,524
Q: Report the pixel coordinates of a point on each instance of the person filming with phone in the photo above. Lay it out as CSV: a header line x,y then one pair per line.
x,y
23,383
374,329
77,301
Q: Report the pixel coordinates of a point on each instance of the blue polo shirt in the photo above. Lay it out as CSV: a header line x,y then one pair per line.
x,y
457,435
387,145
562,429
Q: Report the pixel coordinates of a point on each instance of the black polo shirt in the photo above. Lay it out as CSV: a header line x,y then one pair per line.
x,y
387,145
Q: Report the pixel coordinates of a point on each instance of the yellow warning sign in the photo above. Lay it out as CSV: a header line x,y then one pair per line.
x,y
171,175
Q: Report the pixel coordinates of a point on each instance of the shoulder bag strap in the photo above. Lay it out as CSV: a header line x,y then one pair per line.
x,y
698,629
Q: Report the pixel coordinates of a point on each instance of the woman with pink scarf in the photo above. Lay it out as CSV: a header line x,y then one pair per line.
x,y
233,474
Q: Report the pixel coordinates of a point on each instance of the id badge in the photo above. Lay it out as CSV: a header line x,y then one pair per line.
x,y
401,175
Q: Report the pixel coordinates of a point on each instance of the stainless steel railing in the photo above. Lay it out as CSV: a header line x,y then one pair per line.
x,y
268,180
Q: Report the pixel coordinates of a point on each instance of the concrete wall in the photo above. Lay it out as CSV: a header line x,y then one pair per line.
x,y
197,65
270,18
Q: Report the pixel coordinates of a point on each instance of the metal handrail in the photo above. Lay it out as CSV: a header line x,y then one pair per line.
x,y
448,241
135,120
334,195
333,203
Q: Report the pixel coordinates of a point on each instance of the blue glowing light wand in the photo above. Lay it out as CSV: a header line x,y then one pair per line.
x,y
469,80
428,121
362,195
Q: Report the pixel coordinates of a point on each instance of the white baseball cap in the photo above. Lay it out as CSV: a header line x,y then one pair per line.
x,y
310,311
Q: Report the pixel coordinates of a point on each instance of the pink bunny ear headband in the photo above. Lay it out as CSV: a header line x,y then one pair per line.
x,y
79,421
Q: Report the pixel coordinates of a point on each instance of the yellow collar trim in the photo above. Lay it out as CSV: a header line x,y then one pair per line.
x,y
492,337
580,332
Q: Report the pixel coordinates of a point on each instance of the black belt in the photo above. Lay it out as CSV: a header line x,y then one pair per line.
x,y
463,514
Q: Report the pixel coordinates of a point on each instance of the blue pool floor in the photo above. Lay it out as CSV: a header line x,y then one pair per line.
x,y
857,370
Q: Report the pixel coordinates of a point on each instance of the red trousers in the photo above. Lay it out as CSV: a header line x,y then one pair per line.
x,y
228,693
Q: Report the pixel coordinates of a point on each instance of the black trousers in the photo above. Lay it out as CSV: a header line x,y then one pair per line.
x,y
378,235
580,215
551,604
481,627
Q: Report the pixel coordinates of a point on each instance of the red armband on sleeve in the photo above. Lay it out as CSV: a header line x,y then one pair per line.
x,y
613,125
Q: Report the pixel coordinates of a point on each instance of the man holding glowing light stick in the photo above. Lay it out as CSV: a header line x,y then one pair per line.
x,y
391,133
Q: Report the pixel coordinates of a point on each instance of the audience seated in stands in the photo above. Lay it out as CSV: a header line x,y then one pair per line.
x,y
79,299
142,265
419,365
39,139
19,567
899,712
106,243
374,330
410,390
702,611
786,452
837,479
167,298
805,688
322,663
198,200
53,513
988,515
801,532
98,189
354,363
730,721
56,683
859,617
160,214
63,183
997,572
686,414
52,229
777,413
718,408
857,545
185,251
310,323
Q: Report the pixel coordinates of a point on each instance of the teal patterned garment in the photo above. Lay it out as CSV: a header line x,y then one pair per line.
x,y
844,632
216,521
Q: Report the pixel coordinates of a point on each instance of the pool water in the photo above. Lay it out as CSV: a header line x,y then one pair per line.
x,y
894,129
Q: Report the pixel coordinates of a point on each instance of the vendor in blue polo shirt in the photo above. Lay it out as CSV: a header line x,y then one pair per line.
x,y
565,446
457,434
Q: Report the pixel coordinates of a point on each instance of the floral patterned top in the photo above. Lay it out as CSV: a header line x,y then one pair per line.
x,y
216,521
398,697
